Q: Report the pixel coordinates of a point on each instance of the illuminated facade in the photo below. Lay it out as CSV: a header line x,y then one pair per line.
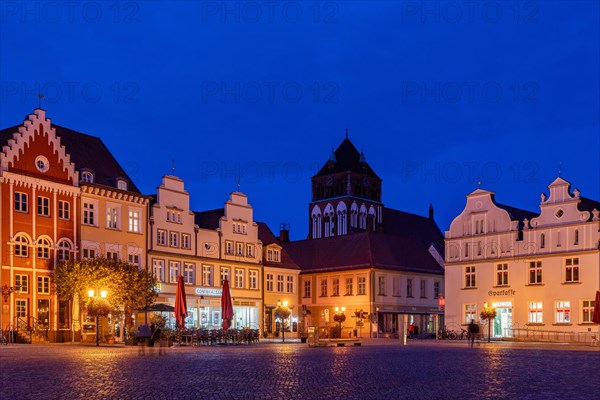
x,y
539,270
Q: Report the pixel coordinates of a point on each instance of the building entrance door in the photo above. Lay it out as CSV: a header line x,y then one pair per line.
x,y
502,325
43,314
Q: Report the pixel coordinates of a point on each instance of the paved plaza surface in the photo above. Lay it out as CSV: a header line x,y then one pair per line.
x,y
380,369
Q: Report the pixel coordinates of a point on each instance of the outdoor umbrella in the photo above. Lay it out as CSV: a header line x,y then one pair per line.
x,y
596,315
180,304
226,306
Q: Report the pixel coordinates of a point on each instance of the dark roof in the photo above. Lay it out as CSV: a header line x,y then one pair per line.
x,y
363,250
266,236
413,226
586,204
347,158
86,152
517,214
208,219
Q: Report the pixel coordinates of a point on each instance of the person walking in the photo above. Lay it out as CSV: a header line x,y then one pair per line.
x,y
473,330
411,330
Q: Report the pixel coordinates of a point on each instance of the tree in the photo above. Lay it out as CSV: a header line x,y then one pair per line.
x,y
282,312
128,287
488,313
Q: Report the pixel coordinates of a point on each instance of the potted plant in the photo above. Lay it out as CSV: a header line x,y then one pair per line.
x,y
167,337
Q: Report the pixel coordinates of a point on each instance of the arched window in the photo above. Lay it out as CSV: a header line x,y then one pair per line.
x,y
542,241
372,217
362,217
43,248
576,242
87,176
64,250
342,219
316,222
21,246
329,223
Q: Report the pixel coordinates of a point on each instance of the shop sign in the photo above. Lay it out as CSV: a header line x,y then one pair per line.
x,y
208,292
503,292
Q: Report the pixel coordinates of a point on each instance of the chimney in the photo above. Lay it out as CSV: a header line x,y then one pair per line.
x,y
284,232
430,211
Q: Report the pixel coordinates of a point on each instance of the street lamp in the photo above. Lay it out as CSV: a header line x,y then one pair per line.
x,y
91,295
282,312
339,317
6,292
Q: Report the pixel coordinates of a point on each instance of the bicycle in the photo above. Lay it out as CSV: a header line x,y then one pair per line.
x,y
464,334
3,339
447,334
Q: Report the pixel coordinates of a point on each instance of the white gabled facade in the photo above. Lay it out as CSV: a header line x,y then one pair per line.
x,y
541,271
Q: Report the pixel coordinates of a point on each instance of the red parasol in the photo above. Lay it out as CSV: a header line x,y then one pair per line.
x,y
226,306
180,304
596,315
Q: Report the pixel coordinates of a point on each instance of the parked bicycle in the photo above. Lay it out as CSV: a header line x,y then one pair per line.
x,y
447,334
3,338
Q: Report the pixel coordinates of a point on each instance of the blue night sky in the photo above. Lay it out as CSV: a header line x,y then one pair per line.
x,y
435,94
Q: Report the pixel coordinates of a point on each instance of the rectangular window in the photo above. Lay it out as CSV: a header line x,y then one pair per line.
x,y
189,274
307,291
207,275
133,259
158,268
470,313
280,283
239,278
335,287
423,289
381,281
290,284
436,290
134,221
161,237
249,250
409,287
89,253
323,288
470,276
225,274
362,285
64,209
21,308
174,239
112,255
563,312
397,286
22,282
112,217
186,241
349,286
43,206
535,312
572,270
270,282
253,279
502,274
174,271
535,272
43,284
228,247
239,249
21,202
587,309
89,211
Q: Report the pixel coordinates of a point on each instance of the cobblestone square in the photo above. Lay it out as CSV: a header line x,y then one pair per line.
x,y
380,369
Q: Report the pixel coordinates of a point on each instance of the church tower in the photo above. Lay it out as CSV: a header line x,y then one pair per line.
x,y
346,195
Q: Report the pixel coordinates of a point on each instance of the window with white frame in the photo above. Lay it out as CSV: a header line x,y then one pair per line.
x,y
270,279
381,285
307,289
207,275
21,202
87,176
362,285
587,311
423,289
64,209
572,270
89,252
161,237
133,259
174,271
273,255
186,241
43,206
470,276
89,213
43,248
335,286
43,283
502,274
249,250
239,278
563,312
189,274
436,290
349,286
280,283
535,312
158,269
397,286
225,274
112,255
21,246
22,283
135,218
290,284
535,272
174,239
21,308
323,287
409,287
64,251
228,247
112,217
121,184
253,279
470,313
239,249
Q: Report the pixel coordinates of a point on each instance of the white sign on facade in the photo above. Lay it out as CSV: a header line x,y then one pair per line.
x,y
208,292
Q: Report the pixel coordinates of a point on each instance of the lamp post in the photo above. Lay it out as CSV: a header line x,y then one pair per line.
x,y
91,294
6,292
340,317
282,312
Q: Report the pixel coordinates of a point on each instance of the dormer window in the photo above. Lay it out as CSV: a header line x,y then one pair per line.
x,y
273,255
87,176
121,184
